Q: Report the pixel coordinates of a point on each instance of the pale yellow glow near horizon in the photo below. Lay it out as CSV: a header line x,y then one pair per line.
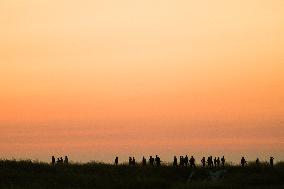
x,y
97,78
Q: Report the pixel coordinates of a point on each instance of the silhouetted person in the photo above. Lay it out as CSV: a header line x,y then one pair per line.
x,y
271,161
158,161
257,161
151,161
61,160
210,161
243,161
223,161
130,161
144,161
185,160
53,160
133,161
116,161
58,161
175,161
203,161
218,161
215,162
192,162
181,161
66,161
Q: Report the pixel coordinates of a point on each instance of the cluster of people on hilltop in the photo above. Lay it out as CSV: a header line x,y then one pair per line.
x,y
213,163
131,161
155,161
59,161
184,161
152,161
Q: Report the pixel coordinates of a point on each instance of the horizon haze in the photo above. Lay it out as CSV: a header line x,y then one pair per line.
x,y
99,79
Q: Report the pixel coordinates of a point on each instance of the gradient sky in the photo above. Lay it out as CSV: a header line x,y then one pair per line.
x,y
95,79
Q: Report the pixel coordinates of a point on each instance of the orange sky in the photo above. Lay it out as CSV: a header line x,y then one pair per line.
x,y
94,79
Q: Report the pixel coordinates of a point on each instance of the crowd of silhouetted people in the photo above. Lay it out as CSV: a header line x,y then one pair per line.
x,y
152,161
59,161
184,161
217,162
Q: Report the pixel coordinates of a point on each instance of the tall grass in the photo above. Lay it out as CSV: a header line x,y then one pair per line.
x,y
28,174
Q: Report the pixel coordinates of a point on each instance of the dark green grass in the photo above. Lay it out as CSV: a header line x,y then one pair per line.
x,y
27,174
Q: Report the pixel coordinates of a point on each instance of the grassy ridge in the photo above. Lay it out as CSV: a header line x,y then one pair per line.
x,y
27,174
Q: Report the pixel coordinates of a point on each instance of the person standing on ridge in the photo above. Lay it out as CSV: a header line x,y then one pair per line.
x,y
181,161
215,162
271,161
53,160
218,162
192,162
116,161
144,161
151,161
58,161
175,161
158,161
66,161
130,161
185,161
223,161
203,161
61,160
243,161
210,161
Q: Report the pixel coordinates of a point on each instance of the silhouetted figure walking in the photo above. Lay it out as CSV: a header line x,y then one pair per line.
x,y
210,161
192,162
271,161
116,161
130,161
58,162
61,160
53,160
215,162
203,161
175,161
151,161
181,161
223,161
133,161
158,161
185,160
243,161
218,162
144,161
66,161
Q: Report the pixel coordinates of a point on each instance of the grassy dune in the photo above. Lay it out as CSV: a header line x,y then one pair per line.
x,y
27,174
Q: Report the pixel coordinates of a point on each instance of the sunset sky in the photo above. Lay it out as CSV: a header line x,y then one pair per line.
x,y
95,79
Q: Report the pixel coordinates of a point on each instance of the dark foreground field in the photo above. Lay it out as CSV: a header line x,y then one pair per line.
x,y
25,174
